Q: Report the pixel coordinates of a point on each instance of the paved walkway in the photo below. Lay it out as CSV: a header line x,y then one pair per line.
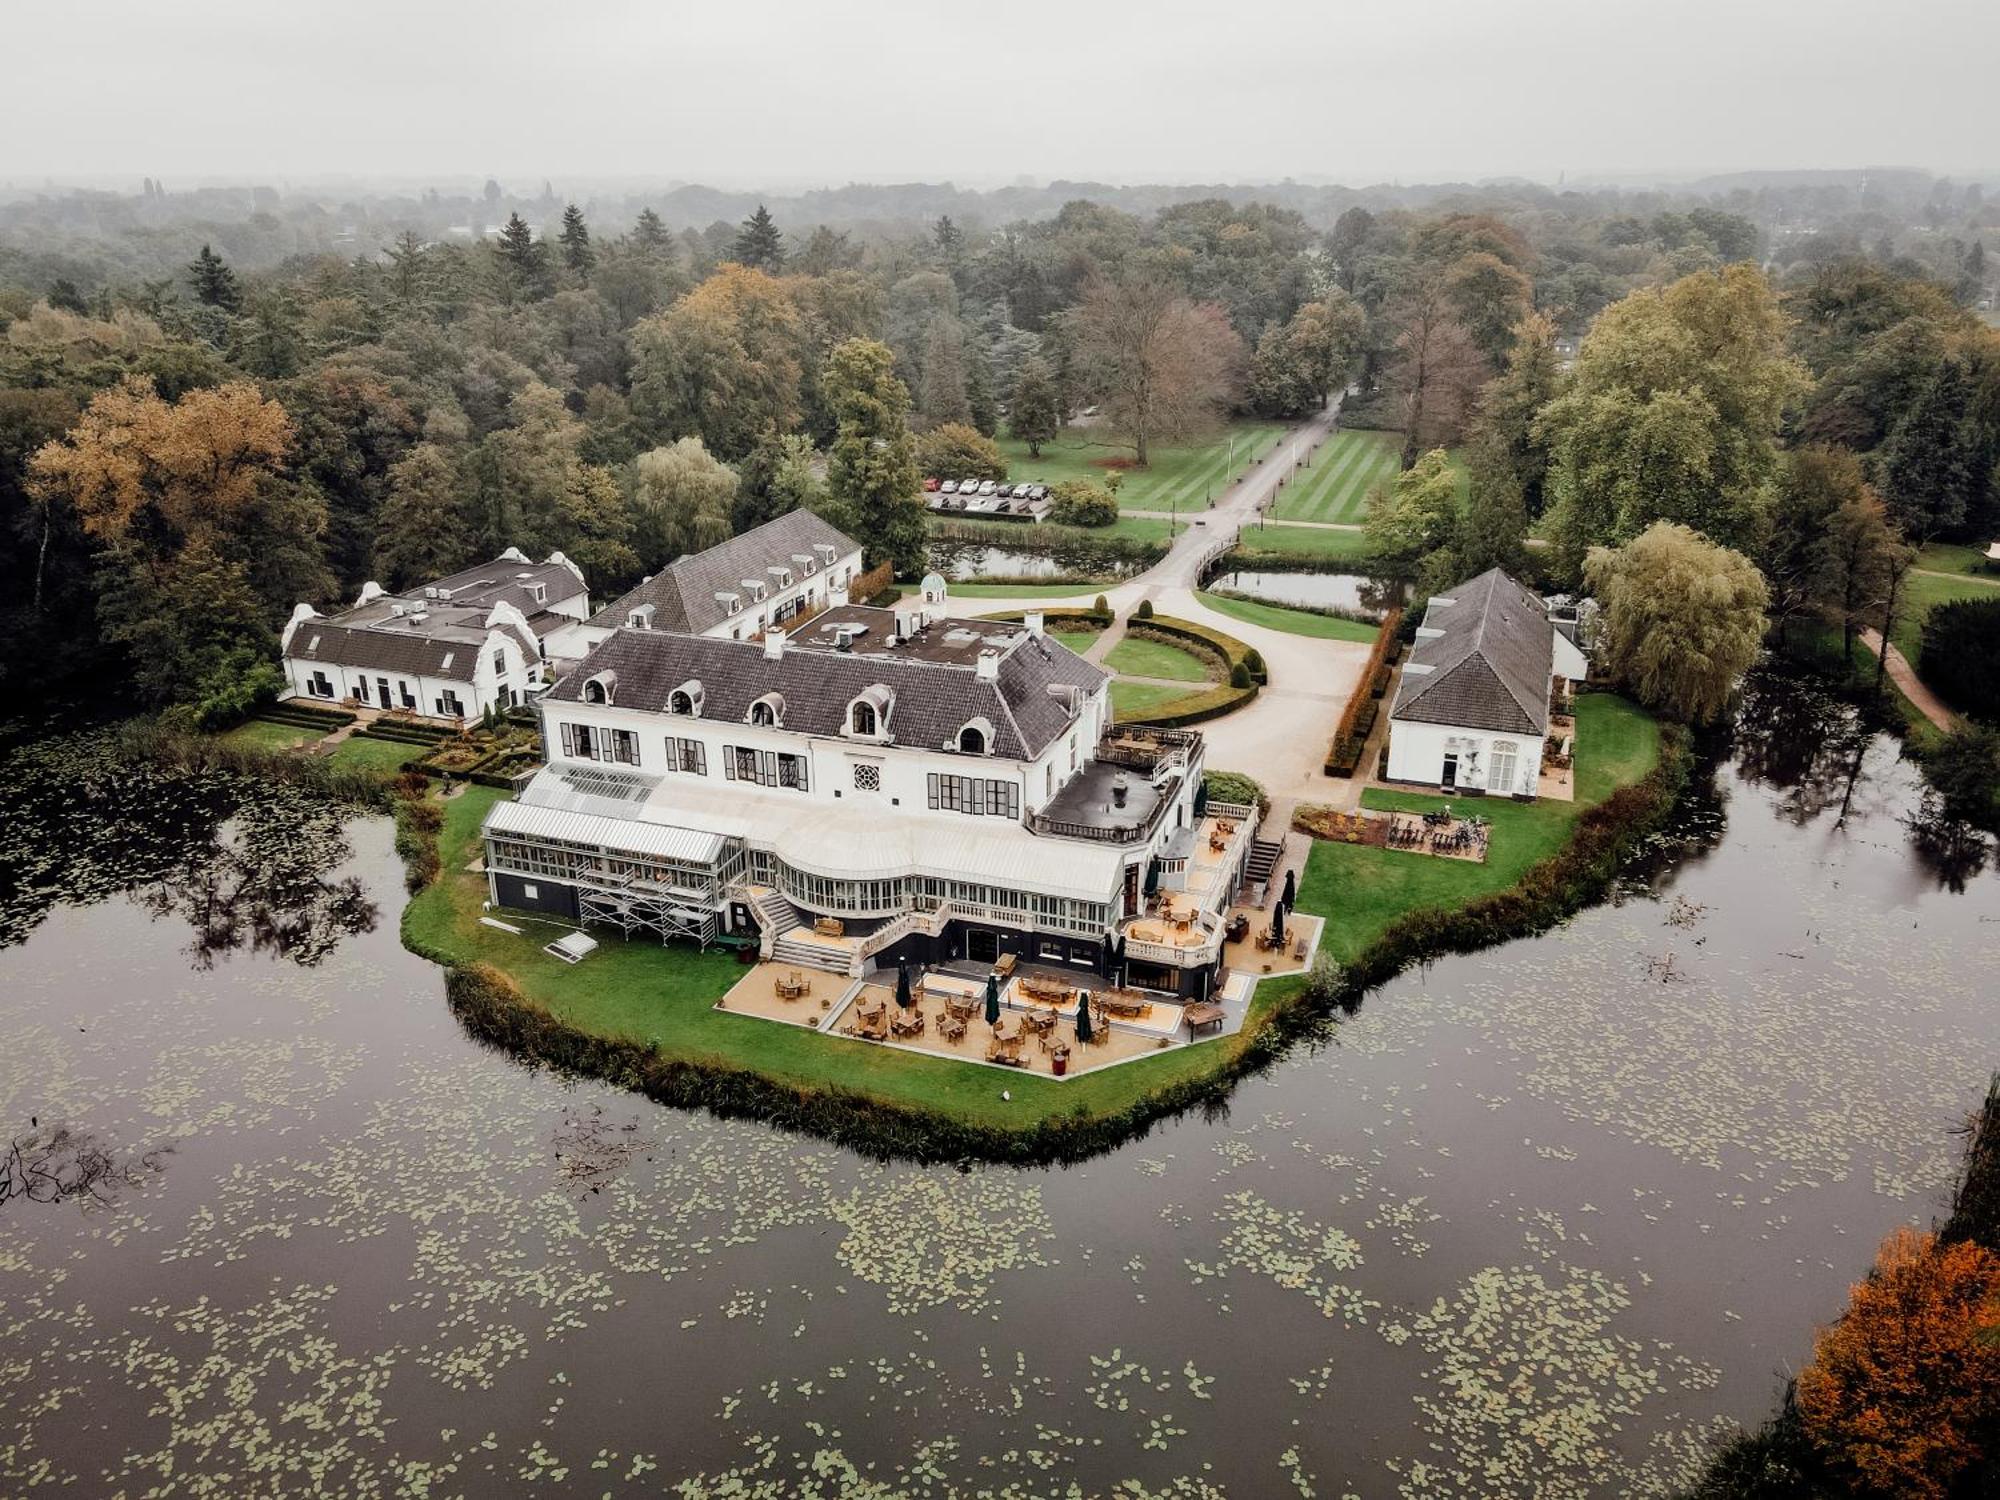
x,y
1905,677
1281,738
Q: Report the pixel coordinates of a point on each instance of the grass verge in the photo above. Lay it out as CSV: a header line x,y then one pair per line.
x,y
1291,621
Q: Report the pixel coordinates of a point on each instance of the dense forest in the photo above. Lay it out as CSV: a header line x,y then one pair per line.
x,y
218,402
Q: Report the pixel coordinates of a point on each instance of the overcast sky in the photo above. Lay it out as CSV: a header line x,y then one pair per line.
x,y
780,94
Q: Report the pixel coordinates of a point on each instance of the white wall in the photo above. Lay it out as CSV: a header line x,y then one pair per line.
x,y
483,686
1417,752
814,591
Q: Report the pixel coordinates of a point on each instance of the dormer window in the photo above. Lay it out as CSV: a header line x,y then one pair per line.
x,y
768,712
869,712
864,719
686,699
976,737
600,689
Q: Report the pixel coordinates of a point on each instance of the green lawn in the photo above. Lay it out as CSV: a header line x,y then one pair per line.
x,y
1335,486
1950,557
1305,541
1078,641
1361,890
1175,479
386,756
1292,621
1142,658
1130,698
666,996
1020,590
1133,528
1924,592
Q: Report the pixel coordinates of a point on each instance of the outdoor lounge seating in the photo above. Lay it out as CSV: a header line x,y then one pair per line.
x,y
871,1021
1007,1051
1005,967
831,927
1239,928
1039,1022
960,1005
793,985
951,1027
1203,1015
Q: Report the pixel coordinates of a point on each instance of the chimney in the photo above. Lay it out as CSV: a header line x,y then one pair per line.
x,y
1033,620
774,645
1119,790
989,666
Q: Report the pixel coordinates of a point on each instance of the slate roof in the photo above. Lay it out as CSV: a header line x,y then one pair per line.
x,y
934,700
506,579
683,593
1490,668
384,651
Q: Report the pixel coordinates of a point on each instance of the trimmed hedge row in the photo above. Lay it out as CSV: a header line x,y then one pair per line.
x,y
1179,632
491,1007
1196,708
304,715
1099,618
404,734
1357,721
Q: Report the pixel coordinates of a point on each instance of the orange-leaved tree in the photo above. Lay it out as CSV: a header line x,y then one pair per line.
x,y
1899,1388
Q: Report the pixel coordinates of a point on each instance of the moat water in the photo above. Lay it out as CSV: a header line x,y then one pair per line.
x,y
1533,1223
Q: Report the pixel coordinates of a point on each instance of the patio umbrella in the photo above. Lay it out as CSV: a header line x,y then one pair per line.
x,y
1290,898
1083,1027
1152,877
1278,922
1118,963
903,996
1104,957
1200,799
992,999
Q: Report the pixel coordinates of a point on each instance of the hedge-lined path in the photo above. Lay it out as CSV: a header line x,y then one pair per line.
x,y
1905,677
1281,736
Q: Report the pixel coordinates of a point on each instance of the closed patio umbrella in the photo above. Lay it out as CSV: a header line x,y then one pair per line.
x,y
903,996
1105,957
1291,896
992,999
1118,963
1083,1026
1278,922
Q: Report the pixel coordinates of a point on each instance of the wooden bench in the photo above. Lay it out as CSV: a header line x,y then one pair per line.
x,y
829,927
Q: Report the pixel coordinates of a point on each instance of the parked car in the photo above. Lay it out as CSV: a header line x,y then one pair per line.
x,y
1041,492
950,487
1008,491
930,486
988,487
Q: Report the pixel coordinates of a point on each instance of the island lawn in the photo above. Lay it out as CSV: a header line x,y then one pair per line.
x,y
1137,657
1292,621
1361,890
664,995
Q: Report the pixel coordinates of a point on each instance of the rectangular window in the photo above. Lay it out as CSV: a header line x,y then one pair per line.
x,y
792,771
321,685
975,795
499,663
687,755
409,698
625,747
450,707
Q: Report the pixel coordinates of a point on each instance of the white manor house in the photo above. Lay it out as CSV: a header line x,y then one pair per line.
x,y
870,786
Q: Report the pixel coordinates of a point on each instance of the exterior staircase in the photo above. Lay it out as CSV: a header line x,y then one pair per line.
x,y
1264,857
775,915
806,953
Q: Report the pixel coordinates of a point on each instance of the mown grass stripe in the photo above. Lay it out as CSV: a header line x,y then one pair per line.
x,y
1314,500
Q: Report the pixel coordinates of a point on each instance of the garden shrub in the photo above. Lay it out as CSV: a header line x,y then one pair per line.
x,y
1350,736
1078,502
1144,611
1239,676
1959,656
1234,786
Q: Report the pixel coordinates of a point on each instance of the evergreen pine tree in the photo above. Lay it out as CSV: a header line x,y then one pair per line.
x,y
759,244
525,261
1927,462
1034,416
577,254
650,233
979,397
214,283
409,271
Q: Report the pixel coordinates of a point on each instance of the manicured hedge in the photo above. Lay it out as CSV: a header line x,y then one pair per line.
x,y
1196,708
1095,618
1343,756
1178,632
404,734
299,711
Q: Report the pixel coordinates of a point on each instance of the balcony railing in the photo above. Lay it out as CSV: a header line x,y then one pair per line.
x,y
1107,833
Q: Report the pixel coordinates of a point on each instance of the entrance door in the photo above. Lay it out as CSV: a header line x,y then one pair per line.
x,y
382,686
982,946
1450,777
1131,890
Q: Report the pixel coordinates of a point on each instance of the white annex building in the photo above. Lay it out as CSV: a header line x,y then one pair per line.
x,y
872,785
1472,710
448,649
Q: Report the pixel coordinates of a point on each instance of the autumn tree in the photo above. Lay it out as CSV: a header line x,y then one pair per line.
x,y
1435,368
941,385
681,500
724,363
1672,413
1413,525
956,451
759,245
1301,363
1034,416
1164,368
872,471
1683,618
1902,1388
423,530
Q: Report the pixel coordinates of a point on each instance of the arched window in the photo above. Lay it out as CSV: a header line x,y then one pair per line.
x,y
598,689
971,741
1503,766
865,721
680,703
768,712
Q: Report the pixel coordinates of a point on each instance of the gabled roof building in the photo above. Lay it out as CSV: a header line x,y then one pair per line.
x,y
1472,709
